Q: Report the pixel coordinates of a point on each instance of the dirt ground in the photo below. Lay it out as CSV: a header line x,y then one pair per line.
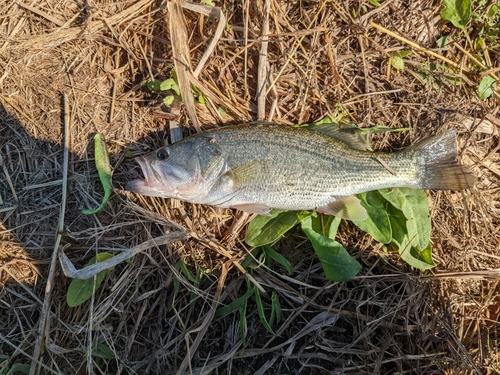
x,y
154,315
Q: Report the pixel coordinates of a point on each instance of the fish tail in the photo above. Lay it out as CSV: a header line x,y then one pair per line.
x,y
441,169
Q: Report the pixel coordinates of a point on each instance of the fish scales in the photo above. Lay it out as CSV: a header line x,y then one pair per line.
x,y
306,167
259,167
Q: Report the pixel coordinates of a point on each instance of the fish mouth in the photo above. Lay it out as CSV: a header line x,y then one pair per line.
x,y
151,185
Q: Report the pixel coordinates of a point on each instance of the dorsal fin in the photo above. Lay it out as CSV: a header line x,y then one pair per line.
x,y
352,136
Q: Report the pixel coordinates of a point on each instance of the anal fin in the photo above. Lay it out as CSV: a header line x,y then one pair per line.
x,y
348,208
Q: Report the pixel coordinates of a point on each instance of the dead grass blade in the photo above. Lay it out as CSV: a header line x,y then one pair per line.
x,y
182,57
92,270
212,12
262,72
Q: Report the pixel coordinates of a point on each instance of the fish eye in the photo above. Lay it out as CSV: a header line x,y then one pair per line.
x,y
162,154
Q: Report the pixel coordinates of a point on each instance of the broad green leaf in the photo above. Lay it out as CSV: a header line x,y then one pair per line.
x,y
222,110
415,206
332,226
103,351
421,260
168,100
397,62
271,253
418,259
374,3
458,12
80,291
260,311
322,224
235,305
336,261
16,369
104,169
170,84
377,224
264,230
153,85
486,87
311,220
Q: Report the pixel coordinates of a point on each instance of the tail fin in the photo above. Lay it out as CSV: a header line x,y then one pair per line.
x,y
441,168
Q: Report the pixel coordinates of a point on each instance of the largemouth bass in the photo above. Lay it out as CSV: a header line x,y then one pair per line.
x,y
256,168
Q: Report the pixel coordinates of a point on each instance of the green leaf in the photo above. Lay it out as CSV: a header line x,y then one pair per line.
x,y
201,98
153,85
80,291
104,169
16,369
168,100
235,305
275,307
332,226
103,351
260,311
458,12
415,258
222,110
415,206
250,257
397,62
243,323
377,224
264,230
486,87
374,3
336,261
271,253
311,220
170,84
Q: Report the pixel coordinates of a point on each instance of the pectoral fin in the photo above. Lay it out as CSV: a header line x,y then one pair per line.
x,y
254,208
348,208
247,173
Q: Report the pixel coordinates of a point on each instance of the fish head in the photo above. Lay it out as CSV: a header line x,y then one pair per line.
x,y
185,170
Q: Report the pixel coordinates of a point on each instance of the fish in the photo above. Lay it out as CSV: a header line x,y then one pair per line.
x,y
257,168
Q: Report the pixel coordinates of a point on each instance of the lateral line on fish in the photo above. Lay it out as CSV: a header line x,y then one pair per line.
x,y
384,164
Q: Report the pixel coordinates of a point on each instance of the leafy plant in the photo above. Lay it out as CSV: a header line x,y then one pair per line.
x,y
458,12
486,87
16,368
397,217
397,59
80,291
263,303
103,169
170,89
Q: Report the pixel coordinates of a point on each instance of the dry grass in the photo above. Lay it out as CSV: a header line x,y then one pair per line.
x,y
320,60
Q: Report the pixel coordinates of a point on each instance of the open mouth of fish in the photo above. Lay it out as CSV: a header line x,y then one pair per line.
x,y
151,185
